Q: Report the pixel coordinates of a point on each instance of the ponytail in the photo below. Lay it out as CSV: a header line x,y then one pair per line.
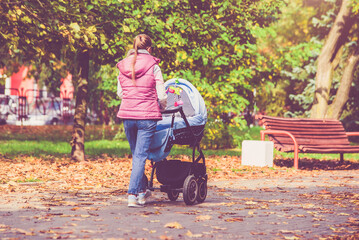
x,y
134,62
141,41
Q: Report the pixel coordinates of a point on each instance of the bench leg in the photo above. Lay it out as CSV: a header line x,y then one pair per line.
x,y
296,151
341,158
296,159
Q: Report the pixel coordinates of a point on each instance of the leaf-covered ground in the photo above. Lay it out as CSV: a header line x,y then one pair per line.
x,y
59,199
113,173
52,197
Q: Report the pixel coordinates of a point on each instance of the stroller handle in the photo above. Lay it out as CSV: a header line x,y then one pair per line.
x,y
172,110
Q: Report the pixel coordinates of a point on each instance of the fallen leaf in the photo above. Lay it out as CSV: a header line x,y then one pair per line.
x,y
218,228
22,231
258,233
291,238
234,219
175,225
343,214
164,237
204,217
190,234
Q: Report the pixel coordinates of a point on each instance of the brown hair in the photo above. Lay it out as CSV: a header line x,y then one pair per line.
x,y
141,41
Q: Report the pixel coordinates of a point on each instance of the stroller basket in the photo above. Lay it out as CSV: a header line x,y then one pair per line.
x,y
174,172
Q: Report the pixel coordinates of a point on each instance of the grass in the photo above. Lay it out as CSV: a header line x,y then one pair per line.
x,y
327,156
41,141
11,148
120,148
29,180
47,141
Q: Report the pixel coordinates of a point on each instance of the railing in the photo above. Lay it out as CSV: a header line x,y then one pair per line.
x,y
31,102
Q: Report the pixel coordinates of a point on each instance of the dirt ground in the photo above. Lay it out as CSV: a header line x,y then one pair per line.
x,y
320,205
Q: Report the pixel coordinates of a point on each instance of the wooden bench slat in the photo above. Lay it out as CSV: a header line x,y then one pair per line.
x,y
312,140
290,143
303,124
307,128
348,149
314,134
299,120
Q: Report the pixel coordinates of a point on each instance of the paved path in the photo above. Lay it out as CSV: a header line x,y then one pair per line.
x,y
323,205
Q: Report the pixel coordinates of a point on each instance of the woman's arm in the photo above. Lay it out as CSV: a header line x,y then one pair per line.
x,y
160,87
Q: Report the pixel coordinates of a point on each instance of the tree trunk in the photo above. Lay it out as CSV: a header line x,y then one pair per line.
x,y
78,134
336,108
326,61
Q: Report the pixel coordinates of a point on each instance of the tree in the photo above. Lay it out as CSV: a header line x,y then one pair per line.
x,y
289,45
210,42
328,61
64,35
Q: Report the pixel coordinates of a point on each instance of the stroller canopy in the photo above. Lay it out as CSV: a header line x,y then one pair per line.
x,y
187,96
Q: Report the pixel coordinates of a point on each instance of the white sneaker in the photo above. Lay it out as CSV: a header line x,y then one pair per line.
x,y
143,196
132,201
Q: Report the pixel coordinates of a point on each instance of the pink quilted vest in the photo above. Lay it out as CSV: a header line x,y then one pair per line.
x,y
140,101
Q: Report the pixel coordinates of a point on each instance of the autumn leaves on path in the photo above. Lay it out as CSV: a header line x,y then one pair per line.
x,y
283,205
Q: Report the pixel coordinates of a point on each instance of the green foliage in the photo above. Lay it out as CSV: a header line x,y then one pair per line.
x,y
302,76
213,44
355,6
294,42
104,98
302,83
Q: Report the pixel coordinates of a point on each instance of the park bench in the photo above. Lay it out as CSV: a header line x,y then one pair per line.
x,y
301,135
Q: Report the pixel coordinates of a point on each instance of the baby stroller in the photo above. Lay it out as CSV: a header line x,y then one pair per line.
x,y
183,123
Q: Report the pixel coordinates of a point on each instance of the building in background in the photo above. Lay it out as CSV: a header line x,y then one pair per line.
x,y
22,103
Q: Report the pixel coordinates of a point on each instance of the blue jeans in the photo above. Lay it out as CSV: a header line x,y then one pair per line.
x,y
139,134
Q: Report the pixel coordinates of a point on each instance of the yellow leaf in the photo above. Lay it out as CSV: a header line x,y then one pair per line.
x,y
291,238
343,214
175,225
234,220
190,234
126,29
203,217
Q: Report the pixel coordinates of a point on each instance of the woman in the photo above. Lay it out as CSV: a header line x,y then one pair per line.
x,y
141,88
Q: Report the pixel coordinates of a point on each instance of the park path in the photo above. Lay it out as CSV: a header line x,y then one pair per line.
x,y
318,206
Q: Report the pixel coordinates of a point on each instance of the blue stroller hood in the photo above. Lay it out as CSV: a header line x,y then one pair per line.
x,y
194,109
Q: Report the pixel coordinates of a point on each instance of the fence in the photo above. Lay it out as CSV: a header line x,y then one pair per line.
x,y
22,105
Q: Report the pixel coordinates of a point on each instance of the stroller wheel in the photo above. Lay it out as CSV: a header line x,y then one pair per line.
x,y
172,195
190,190
202,190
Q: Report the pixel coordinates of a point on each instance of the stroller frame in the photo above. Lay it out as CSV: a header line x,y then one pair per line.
x,y
193,182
